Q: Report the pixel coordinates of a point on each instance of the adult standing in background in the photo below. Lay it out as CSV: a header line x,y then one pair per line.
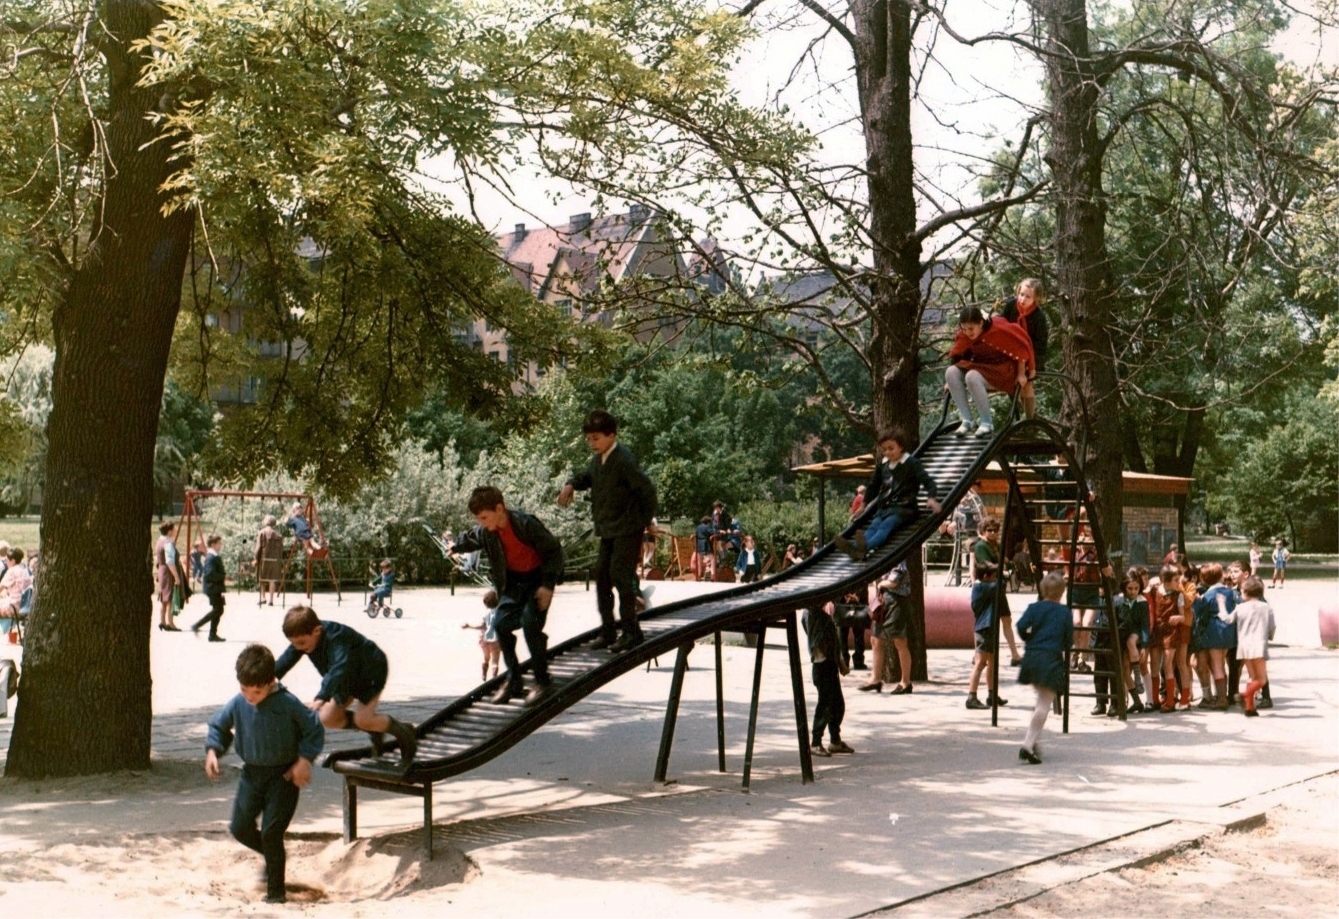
x,y
269,559
622,504
165,563
1024,308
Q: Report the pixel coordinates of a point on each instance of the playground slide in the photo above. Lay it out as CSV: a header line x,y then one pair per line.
x,y
469,732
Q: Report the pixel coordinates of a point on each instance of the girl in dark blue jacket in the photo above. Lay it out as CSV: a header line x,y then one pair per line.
x,y
1047,628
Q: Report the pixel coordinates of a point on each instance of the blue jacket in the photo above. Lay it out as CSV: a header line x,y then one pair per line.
x,y
1047,626
340,650
213,578
274,733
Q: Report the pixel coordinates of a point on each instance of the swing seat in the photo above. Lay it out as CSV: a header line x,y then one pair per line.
x,y
319,552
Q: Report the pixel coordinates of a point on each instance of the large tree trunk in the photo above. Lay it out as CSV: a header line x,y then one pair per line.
x,y
1084,276
85,699
882,49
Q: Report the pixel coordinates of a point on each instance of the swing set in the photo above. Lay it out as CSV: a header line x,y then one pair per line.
x,y
313,554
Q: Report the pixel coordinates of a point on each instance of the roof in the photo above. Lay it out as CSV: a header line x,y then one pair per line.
x,y
861,467
592,248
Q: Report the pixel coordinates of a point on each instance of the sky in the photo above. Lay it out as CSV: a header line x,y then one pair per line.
x,y
967,101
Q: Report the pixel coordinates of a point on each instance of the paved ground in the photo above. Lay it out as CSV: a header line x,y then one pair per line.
x,y
569,818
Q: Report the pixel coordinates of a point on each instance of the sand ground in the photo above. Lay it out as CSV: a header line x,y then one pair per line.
x,y
1192,814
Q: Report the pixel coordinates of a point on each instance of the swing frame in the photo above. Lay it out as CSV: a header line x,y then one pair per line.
x,y
190,514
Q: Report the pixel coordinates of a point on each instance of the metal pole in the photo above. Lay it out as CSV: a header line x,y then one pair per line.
x,y
720,708
753,705
797,690
671,712
350,810
427,821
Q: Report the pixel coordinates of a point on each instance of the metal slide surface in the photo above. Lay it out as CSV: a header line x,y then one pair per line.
x,y
471,731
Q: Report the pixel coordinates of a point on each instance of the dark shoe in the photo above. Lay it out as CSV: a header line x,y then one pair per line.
x,y
161,627
861,549
1252,713
408,740
537,692
1205,702
819,750
195,629
627,641
1265,703
1112,713
170,628
1029,756
900,690
1016,662
859,665
870,687
1100,710
839,746
975,704
996,700
1136,709
1083,667
503,695
217,638
603,642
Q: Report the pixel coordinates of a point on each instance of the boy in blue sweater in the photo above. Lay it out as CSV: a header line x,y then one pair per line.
x,y
277,738
352,668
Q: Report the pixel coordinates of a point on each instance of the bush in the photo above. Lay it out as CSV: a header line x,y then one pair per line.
x,y
775,525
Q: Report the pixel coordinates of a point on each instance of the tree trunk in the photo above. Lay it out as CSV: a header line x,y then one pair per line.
x,y
85,700
1084,277
882,51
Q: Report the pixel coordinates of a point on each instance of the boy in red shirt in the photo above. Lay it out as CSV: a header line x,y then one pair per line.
x,y
525,561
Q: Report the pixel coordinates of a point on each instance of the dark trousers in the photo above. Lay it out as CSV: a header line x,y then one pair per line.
x,y
856,619
616,569
516,609
831,706
263,792
213,616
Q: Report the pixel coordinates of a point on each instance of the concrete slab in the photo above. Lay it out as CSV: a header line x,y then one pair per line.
x,y
934,797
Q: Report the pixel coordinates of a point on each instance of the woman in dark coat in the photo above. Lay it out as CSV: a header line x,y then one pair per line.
x,y
269,559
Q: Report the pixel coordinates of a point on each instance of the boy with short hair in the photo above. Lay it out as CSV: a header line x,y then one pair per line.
x,y
622,503
277,738
384,583
214,583
352,667
525,561
893,487
986,562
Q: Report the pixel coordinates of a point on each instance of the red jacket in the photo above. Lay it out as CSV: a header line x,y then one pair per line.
x,y
995,353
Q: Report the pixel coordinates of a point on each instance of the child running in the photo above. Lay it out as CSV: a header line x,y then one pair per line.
x,y
488,634
277,738
1048,633
1254,619
352,668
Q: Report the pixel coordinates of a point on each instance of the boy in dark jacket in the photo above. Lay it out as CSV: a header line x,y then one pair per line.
x,y
213,582
277,738
896,482
525,561
622,503
828,668
352,668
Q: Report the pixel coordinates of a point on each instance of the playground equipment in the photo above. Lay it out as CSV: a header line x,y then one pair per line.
x,y
193,521
468,732
381,606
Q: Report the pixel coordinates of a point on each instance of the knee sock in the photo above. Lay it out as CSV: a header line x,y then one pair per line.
x,y
1039,714
1251,689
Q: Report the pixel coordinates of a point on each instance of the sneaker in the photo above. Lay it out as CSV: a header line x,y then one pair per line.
x,y
986,430
975,704
965,429
839,746
819,750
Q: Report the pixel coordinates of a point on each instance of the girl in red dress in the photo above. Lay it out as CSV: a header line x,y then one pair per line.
x,y
987,352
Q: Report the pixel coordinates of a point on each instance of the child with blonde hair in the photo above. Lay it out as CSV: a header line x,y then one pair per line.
x,y
1048,634
1254,620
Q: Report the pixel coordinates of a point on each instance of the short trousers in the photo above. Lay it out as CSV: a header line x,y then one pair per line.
x,y
983,641
367,678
